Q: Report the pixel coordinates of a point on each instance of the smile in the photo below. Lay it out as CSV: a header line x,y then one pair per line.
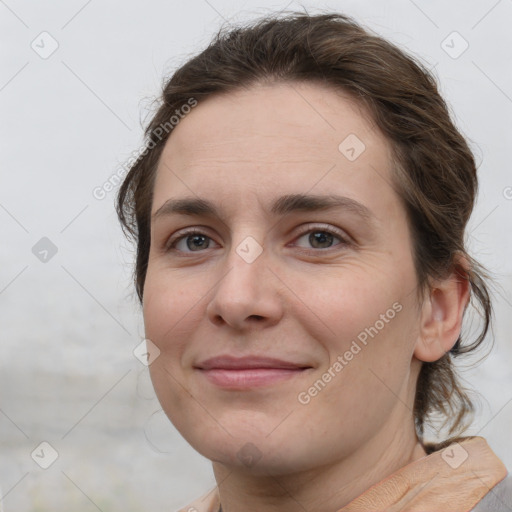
x,y
248,372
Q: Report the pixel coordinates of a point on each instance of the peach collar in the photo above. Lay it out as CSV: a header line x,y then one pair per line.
x,y
453,479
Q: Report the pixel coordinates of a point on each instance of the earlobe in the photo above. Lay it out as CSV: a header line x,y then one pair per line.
x,y
441,315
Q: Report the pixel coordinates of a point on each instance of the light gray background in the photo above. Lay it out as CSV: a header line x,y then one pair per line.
x,y
69,326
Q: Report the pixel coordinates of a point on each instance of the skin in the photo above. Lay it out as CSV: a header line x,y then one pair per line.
x,y
297,301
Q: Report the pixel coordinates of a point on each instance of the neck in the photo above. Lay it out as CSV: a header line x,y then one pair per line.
x,y
323,489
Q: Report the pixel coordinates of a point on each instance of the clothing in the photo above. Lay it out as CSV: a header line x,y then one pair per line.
x,y
498,499
465,476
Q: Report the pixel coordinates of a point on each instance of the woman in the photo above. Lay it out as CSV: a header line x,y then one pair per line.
x,y
299,212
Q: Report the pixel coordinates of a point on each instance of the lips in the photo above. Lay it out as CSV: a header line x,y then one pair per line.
x,y
248,372
248,362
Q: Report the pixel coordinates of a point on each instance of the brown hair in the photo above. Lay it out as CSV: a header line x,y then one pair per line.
x,y
434,169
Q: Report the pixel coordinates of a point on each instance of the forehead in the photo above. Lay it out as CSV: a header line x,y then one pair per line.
x,y
316,115
288,136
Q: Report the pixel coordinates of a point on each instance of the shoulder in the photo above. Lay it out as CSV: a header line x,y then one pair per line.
x,y
498,499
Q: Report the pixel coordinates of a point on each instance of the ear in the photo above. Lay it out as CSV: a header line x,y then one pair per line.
x,y
442,311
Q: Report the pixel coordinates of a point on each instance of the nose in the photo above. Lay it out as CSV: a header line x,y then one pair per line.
x,y
247,294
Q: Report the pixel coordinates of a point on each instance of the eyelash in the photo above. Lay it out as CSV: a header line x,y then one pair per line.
x,y
170,246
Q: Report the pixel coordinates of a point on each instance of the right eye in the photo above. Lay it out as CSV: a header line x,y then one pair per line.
x,y
190,241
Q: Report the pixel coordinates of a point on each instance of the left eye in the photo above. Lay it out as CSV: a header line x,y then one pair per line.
x,y
321,238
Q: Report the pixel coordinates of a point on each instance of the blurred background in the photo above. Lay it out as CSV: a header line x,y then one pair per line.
x,y
80,426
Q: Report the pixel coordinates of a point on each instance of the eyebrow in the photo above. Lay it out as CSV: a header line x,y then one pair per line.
x,y
281,206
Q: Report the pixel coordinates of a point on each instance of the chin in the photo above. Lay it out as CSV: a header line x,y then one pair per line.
x,y
256,453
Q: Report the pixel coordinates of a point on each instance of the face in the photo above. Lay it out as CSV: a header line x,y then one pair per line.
x,y
280,288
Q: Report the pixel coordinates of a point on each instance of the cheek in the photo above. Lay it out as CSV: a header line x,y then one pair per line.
x,y
171,312
366,376
349,304
366,330
167,299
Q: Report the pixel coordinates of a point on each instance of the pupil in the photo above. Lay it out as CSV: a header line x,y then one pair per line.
x,y
196,238
320,237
